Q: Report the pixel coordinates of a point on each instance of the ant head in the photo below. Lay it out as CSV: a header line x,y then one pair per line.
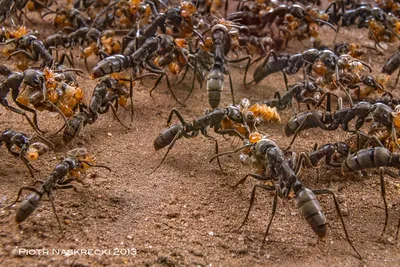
x,y
172,17
26,40
219,27
369,80
297,186
329,59
262,145
379,14
383,114
297,11
166,41
235,114
342,148
311,86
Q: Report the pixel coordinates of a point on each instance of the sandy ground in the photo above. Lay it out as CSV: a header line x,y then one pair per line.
x,y
186,213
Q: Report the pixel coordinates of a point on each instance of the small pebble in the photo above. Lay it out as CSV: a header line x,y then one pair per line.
x,y
129,237
345,212
211,233
109,134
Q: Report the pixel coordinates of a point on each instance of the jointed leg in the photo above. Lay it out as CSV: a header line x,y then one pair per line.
x,y
383,194
311,117
253,195
337,206
254,175
274,204
248,58
176,137
154,69
20,192
35,125
216,149
55,213
229,152
116,116
178,114
131,96
231,87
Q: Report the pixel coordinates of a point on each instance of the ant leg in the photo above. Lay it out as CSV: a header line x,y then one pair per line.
x,y
154,69
65,125
383,194
229,152
176,137
337,206
370,138
253,195
346,91
69,186
103,54
155,85
228,131
216,151
115,114
231,87
303,157
4,102
397,80
26,53
339,25
376,40
274,204
327,23
265,62
20,192
131,96
193,80
83,54
284,74
28,165
93,166
302,125
86,64
334,11
248,58
327,95
66,56
183,76
254,175
172,92
58,110
14,96
55,212
178,114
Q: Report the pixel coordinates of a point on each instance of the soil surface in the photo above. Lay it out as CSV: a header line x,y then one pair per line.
x,y
186,213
